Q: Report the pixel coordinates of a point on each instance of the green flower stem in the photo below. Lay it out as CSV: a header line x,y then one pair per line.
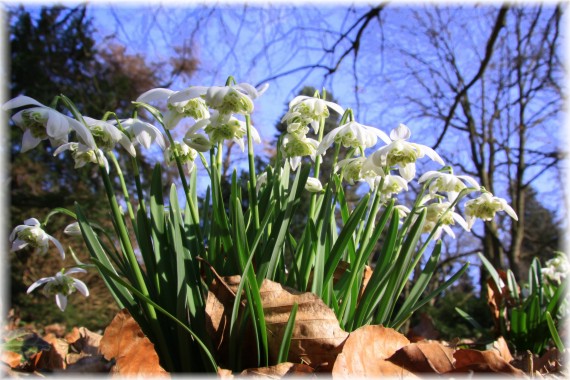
x,y
132,260
191,204
252,177
123,187
316,168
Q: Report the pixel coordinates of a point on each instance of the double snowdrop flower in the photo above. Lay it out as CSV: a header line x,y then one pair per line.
x,y
107,135
220,127
313,185
41,123
556,269
359,169
448,183
31,234
304,110
61,285
403,154
186,155
485,207
295,147
441,211
142,132
353,135
180,104
82,155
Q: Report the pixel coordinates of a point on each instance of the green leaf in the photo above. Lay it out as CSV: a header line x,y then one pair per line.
x,y
282,356
554,333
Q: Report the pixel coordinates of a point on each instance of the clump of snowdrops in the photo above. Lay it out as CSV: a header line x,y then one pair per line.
x,y
167,248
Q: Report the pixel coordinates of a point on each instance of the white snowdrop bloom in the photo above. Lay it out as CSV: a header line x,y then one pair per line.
x,y
309,110
142,132
448,183
440,211
295,147
313,185
220,127
556,269
82,155
61,286
31,234
107,135
353,135
485,207
186,155
402,154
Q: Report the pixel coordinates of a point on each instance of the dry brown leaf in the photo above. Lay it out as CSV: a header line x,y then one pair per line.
x,y
502,348
467,360
13,359
317,337
56,329
549,362
219,304
54,359
133,352
225,373
424,329
425,356
84,341
279,370
365,352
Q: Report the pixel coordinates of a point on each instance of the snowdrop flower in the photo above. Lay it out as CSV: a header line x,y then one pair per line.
x,y
142,132
61,285
353,135
313,185
220,127
185,103
440,211
82,155
296,147
261,180
449,183
308,110
403,154
41,123
485,207
556,269
234,99
72,229
198,141
107,135
31,234
358,169
186,155
393,184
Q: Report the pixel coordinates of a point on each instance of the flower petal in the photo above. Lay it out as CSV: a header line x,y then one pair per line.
x,y
156,94
29,141
20,101
81,287
61,301
58,245
40,282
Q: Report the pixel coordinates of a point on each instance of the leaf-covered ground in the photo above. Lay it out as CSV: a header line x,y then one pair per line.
x,y
318,346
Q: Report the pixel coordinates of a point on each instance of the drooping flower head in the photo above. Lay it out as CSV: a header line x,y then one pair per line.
x,y
295,147
61,286
441,211
186,155
403,154
353,135
142,132
83,155
221,127
40,122
107,135
485,207
305,110
556,269
448,183
180,104
31,234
